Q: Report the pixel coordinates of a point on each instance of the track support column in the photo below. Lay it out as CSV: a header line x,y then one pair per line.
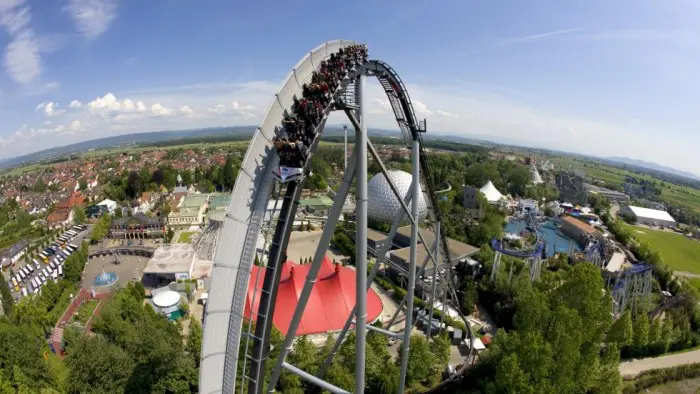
x,y
361,241
436,264
410,291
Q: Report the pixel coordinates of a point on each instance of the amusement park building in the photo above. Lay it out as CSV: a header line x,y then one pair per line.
x,y
331,301
168,264
612,195
651,217
579,231
459,251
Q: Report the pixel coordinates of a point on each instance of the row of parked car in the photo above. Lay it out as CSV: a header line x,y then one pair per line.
x,y
48,265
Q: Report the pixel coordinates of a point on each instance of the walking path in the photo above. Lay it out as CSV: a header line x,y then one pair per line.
x,y
686,274
635,367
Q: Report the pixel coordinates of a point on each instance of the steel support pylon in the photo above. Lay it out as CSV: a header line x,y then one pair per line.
x,y
415,158
361,241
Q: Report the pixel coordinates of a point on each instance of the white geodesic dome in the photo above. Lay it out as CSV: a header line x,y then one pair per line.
x,y
382,204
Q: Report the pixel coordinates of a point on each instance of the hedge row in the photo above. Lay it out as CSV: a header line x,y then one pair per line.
x,y
656,377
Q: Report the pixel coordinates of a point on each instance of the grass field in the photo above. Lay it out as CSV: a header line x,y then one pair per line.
x,y
186,237
670,193
677,251
86,310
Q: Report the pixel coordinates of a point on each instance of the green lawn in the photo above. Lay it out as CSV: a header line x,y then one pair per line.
x,y
85,310
677,251
186,237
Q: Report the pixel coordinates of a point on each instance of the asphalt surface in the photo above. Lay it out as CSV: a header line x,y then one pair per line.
x,y
635,367
21,263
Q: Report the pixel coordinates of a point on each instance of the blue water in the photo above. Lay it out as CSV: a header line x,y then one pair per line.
x,y
557,242
106,278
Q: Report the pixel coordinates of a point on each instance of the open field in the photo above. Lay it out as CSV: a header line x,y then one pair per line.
x,y
670,193
677,251
141,148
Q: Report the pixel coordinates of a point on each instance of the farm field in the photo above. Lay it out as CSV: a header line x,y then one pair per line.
x,y
670,193
677,251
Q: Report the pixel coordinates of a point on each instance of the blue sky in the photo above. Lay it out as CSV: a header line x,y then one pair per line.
x,y
597,77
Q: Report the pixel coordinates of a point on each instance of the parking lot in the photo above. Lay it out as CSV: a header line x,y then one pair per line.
x,y
25,285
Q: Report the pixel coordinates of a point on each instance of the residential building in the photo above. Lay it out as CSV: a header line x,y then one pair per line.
x,y
109,204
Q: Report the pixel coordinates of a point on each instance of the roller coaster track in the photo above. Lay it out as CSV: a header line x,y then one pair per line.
x,y
243,222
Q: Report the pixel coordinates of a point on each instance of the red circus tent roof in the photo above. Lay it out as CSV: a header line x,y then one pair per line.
x,y
331,301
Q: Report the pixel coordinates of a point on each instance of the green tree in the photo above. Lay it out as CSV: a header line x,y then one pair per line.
x,y
7,301
622,331
421,360
79,215
641,332
97,366
194,340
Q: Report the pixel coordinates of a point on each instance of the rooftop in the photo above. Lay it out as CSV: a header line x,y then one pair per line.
x,y
322,201
375,235
579,224
195,200
458,250
648,213
219,201
170,258
616,262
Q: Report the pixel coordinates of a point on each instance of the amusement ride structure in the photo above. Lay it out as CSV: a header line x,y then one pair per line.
x,y
235,352
531,255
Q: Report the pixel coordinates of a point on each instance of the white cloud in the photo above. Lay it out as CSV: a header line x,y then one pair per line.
x,y
92,17
129,105
75,104
15,18
21,58
159,110
49,108
454,110
106,102
186,110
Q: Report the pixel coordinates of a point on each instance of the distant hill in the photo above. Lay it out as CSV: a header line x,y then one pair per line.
x,y
187,136
240,132
654,166
123,140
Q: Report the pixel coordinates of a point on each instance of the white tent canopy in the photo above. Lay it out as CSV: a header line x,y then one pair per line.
x,y
536,177
492,194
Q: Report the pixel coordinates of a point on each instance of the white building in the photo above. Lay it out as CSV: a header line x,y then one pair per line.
x,y
109,204
651,217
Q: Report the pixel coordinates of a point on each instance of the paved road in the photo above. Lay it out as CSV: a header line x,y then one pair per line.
x,y
686,274
634,367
